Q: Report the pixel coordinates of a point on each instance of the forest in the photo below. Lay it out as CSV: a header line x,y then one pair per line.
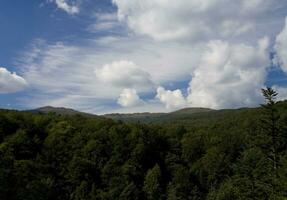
x,y
226,155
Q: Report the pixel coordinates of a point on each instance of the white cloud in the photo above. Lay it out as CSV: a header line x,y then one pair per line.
x,y
196,19
10,82
281,48
235,28
102,26
124,74
59,73
69,7
105,22
129,98
171,99
229,75
213,41
282,92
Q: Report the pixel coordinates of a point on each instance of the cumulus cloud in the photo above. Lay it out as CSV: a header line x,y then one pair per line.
x,y
124,74
171,99
11,82
59,72
229,75
194,19
68,6
210,44
281,48
282,92
129,98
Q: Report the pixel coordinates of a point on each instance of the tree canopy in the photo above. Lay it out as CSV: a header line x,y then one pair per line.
x,y
233,154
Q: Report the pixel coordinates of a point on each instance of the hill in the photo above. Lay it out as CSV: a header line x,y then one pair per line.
x,y
157,117
191,111
59,111
145,117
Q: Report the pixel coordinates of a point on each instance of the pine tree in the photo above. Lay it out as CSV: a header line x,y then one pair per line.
x,y
270,125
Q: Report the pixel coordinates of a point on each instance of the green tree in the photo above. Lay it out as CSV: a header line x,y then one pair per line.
x,y
181,186
152,184
81,192
270,125
130,192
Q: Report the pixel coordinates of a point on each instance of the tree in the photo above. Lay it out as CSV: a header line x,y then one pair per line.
x,y
270,125
81,192
130,192
181,186
152,186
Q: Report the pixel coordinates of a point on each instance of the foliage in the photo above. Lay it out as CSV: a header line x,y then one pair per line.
x,y
217,155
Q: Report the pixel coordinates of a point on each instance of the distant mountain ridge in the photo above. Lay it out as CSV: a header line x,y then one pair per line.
x,y
59,111
154,117
192,110
185,115
130,117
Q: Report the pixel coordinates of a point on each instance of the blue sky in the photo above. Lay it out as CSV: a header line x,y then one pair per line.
x,y
106,56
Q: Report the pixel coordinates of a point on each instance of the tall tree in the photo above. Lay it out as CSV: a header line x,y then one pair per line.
x,y
270,125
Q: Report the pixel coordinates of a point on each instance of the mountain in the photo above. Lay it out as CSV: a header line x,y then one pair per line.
x,y
59,111
132,115
191,111
157,117
143,117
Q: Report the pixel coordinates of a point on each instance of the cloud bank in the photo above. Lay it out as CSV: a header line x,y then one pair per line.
x,y
195,19
11,82
164,54
229,75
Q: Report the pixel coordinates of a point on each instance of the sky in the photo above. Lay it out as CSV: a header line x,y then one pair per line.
x,y
122,56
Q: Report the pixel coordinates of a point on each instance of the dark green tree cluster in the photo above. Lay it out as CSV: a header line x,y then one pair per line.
x,y
235,155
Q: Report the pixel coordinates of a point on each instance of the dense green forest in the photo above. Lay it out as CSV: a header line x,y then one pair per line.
x,y
221,155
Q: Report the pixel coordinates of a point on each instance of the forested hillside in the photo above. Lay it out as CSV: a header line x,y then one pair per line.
x,y
159,117
217,155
